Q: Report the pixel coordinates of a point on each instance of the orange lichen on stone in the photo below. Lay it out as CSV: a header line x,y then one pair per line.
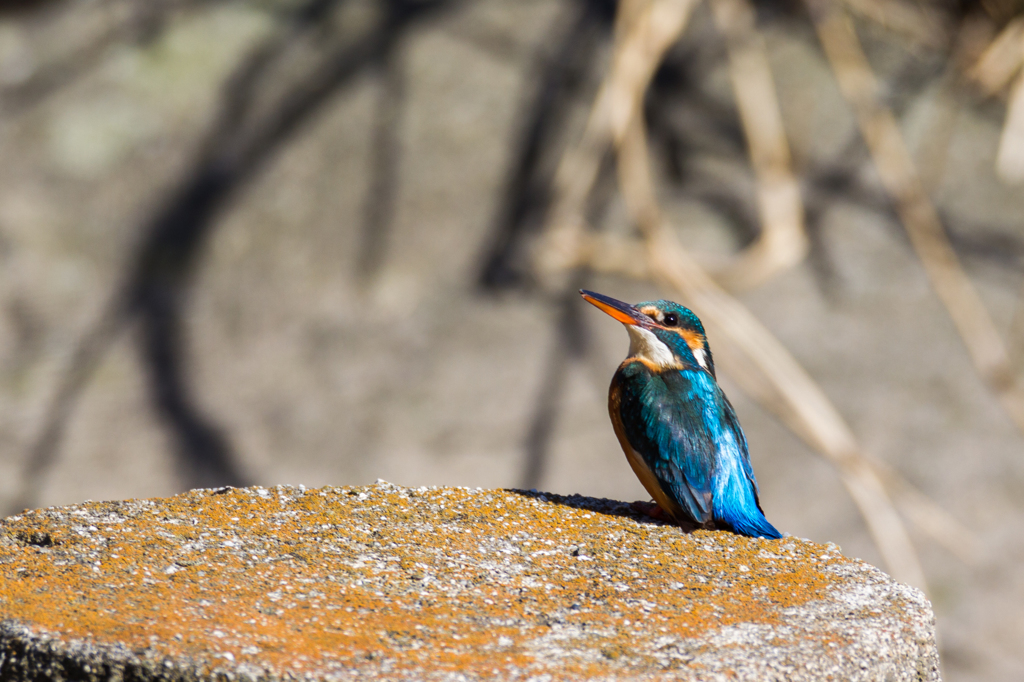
x,y
384,580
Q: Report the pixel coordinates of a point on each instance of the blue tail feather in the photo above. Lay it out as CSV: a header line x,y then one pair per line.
x,y
736,502
754,526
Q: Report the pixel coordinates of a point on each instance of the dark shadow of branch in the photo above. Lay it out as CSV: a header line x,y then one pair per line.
x,y
243,139
86,359
570,344
157,295
525,197
382,193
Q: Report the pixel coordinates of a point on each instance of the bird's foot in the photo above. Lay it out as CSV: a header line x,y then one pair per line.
x,y
652,510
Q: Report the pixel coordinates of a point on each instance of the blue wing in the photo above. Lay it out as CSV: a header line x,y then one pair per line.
x,y
664,426
687,433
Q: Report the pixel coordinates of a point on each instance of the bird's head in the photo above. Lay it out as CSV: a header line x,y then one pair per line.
x,y
662,334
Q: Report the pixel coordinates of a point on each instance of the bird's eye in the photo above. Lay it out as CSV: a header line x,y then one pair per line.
x,y
671,320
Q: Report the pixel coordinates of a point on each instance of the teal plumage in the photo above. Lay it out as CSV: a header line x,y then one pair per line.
x,y
676,426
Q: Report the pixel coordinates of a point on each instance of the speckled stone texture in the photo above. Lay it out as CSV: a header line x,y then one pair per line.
x,y
386,582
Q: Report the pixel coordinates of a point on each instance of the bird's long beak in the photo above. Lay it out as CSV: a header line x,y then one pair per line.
x,y
623,312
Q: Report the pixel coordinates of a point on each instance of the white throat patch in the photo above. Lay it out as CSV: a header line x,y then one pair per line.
x,y
644,344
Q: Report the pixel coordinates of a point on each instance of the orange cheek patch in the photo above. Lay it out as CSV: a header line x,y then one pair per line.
x,y
695,340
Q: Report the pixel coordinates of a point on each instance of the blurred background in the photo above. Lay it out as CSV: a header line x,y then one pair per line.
x,y
323,242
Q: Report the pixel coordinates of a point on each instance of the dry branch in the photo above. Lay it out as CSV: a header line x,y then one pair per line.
x,y
913,22
1010,156
993,71
644,38
1001,59
782,242
917,213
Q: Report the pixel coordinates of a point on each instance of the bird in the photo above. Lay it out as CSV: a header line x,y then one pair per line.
x,y
679,432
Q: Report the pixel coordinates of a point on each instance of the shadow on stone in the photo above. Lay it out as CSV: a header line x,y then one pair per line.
x,y
601,505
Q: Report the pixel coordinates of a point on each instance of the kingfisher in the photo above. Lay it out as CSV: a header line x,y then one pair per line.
x,y
677,428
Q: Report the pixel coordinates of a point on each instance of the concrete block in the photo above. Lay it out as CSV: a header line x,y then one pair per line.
x,y
386,582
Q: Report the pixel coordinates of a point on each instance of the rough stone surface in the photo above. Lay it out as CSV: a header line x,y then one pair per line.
x,y
451,583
